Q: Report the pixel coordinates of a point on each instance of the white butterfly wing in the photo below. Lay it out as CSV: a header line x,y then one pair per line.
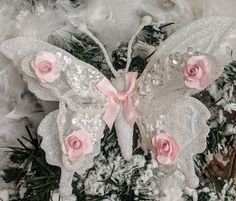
x,y
160,97
76,86
48,129
186,120
204,36
161,85
76,74
81,104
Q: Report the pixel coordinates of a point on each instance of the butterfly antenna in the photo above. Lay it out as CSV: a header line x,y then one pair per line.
x,y
146,20
84,29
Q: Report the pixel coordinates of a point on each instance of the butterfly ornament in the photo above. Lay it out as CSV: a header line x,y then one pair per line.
x,y
172,124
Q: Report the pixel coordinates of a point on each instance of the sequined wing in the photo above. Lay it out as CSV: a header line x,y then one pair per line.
x,y
77,77
54,128
52,140
81,104
161,96
164,72
162,82
186,122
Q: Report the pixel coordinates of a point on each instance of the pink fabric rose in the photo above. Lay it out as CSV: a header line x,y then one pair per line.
x,y
165,150
77,144
197,72
46,67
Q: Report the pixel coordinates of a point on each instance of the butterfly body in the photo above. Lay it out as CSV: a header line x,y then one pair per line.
x,y
123,129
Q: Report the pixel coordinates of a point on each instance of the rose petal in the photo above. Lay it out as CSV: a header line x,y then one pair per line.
x,y
45,56
75,155
199,73
46,59
203,76
49,78
160,154
165,160
195,84
86,144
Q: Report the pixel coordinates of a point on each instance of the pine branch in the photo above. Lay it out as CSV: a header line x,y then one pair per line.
x,y
33,172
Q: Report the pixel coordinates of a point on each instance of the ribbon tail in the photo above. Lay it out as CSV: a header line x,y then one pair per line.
x,y
110,114
130,112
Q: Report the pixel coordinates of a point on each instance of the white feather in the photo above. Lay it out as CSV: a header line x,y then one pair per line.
x,y
15,111
6,15
116,21
44,20
113,21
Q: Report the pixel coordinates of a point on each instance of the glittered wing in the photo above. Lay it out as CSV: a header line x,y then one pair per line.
x,y
164,72
55,132
77,79
48,129
161,95
185,120
203,35
80,105
163,83
53,140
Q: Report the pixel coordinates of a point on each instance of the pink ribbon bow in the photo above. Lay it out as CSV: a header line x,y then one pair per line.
x,y
119,97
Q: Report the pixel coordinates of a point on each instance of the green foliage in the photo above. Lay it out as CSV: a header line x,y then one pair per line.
x,y
124,190
32,173
153,34
230,73
11,174
215,137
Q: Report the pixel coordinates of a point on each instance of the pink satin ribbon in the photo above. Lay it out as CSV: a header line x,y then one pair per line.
x,y
119,97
